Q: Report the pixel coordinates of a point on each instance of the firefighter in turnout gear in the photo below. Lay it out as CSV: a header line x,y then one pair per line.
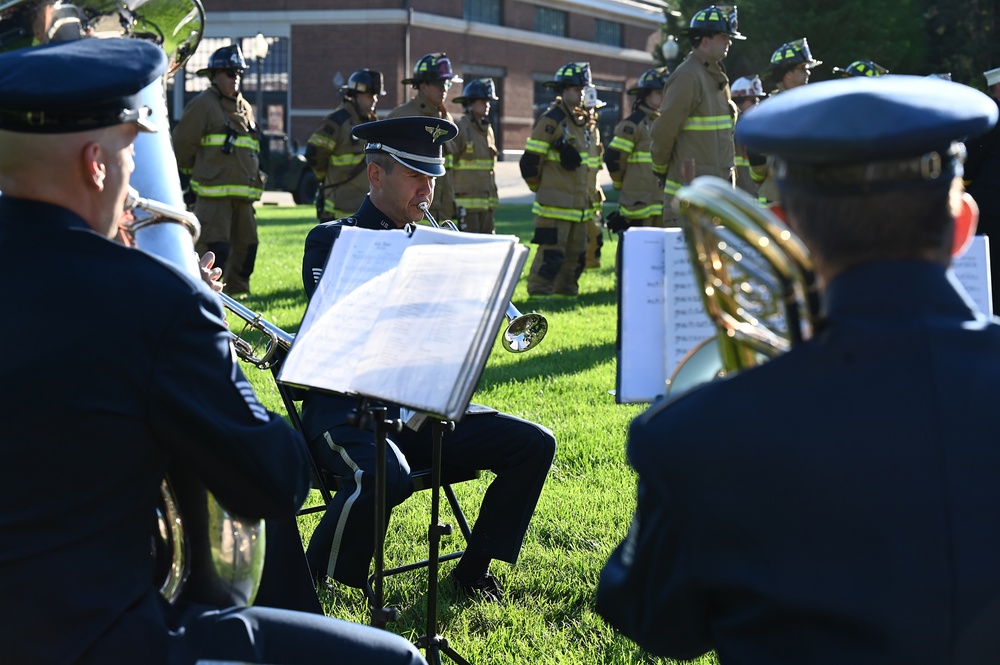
x,y
697,115
335,156
595,227
789,68
747,93
432,79
640,202
560,161
217,144
475,158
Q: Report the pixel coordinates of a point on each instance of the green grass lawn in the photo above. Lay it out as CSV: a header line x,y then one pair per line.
x,y
585,507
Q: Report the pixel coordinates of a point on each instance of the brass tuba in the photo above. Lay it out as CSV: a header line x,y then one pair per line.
x,y
201,552
756,280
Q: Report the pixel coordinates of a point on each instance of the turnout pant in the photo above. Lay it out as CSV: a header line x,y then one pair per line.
x,y
560,257
517,451
229,228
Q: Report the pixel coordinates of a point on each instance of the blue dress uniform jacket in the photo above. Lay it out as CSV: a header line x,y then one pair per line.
x,y
517,451
126,364
848,511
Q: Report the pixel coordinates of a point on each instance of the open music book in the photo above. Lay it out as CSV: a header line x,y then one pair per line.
x,y
661,316
407,318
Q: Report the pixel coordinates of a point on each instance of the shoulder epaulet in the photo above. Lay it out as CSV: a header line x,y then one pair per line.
x,y
554,113
637,116
340,116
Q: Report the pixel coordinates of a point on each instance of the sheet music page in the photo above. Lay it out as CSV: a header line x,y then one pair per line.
x,y
492,325
642,317
429,322
973,271
687,324
344,308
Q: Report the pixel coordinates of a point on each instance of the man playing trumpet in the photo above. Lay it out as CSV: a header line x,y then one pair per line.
x,y
404,157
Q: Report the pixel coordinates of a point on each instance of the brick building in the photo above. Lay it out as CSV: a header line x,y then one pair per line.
x,y
314,45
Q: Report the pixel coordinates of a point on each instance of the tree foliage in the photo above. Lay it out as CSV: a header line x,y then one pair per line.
x,y
918,37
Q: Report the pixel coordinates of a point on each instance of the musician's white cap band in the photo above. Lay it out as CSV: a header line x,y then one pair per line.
x,y
992,77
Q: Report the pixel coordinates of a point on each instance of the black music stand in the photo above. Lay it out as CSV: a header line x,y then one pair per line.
x,y
433,643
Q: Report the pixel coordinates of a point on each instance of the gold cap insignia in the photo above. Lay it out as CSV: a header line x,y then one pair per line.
x,y
435,132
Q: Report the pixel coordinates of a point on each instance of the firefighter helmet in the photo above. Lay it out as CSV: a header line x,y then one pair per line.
x,y
574,74
430,68
861,68
478,89
365,81
789,55
713,20
227,57
651,79
746,86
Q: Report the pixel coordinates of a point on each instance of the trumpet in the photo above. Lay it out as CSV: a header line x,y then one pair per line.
x,y
523,331
274,338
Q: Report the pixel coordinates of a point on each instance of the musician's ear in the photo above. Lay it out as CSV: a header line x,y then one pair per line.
x,y
965,225
375,173
92,161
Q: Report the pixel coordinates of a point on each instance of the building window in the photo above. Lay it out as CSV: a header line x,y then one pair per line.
x,y
550,21
482,11
607,32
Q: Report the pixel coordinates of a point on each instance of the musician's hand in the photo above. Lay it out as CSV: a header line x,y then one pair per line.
x,y
211,276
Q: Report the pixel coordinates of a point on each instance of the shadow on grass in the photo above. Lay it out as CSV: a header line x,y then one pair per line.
x,y
559,362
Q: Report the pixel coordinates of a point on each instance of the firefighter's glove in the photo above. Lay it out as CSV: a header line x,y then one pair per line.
x,y
615,222
569,157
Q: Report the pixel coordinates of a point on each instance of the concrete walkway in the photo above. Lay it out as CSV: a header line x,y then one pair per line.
x,y
510,186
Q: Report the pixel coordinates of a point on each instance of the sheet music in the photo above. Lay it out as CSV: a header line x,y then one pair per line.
x,y
662,317
641,317
973,271
413,368
405,318
687,322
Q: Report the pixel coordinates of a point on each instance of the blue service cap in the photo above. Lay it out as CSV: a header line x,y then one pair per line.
x,y
414,141
865,133
78,86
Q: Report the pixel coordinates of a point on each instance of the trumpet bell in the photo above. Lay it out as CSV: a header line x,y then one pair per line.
x,y
524,332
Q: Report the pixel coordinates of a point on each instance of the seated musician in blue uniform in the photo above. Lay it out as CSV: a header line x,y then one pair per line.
x,y
126,369
404,156
839,503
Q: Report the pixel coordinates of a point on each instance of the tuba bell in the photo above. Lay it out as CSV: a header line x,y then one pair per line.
x,y
201,552
755,277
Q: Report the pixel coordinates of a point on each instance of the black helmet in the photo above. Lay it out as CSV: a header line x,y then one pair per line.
x,y
366,81
789,55
227,57
651,79
432,67
478,89
572,74
713,20
861,68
